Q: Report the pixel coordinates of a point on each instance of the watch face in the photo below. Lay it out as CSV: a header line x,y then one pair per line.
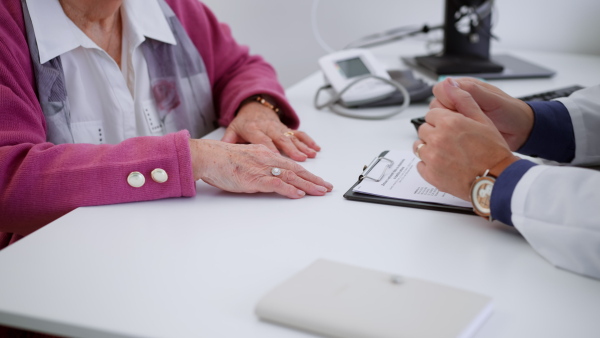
x,y
481,194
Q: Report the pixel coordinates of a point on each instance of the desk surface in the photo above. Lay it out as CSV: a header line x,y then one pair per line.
x,y
196,267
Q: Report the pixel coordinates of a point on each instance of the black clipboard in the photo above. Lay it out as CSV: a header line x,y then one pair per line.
x,y
356,196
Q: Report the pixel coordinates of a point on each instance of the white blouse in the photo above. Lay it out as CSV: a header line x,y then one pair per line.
x,y
108,104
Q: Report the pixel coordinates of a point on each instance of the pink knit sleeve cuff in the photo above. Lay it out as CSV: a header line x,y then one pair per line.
x,y
186,176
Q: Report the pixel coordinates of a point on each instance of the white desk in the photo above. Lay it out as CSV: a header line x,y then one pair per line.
x,y
196,267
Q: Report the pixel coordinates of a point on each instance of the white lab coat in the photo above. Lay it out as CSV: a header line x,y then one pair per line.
x,y
557,208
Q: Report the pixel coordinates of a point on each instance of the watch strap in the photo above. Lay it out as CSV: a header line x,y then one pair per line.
x,y
497,169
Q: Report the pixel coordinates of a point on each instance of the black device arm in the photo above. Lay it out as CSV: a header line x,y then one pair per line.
x,y
467,34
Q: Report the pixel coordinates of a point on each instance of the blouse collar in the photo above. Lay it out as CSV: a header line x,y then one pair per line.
x,y
56,34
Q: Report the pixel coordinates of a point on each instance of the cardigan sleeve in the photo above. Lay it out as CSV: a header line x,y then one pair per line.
x,y
235,75
40,181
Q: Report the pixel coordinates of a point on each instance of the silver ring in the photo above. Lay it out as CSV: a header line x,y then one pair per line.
x,y
417,151
275,171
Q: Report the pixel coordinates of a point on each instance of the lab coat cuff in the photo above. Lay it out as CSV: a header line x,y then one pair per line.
x,y
503,190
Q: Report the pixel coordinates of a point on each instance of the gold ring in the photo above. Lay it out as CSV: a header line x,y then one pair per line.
x,y
289,133
419,148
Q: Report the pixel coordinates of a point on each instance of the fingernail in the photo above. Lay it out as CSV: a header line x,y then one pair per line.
x,y
322,189
301,193
453,82
329,186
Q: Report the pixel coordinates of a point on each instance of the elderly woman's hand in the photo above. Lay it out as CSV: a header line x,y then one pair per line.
x,y
248,168
257,124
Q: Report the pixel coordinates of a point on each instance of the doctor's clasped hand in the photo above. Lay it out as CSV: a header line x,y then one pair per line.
x,y
459,144
466,149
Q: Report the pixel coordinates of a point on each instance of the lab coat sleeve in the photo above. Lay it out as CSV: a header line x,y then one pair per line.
x,y
557,209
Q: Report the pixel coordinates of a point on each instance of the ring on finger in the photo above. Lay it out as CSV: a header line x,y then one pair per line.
x,y
275,171
289,133
418,149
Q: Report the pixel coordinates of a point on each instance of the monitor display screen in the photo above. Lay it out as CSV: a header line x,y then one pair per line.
x,y
352,67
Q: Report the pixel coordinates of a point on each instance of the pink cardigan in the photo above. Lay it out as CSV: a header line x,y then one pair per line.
x,y
40,181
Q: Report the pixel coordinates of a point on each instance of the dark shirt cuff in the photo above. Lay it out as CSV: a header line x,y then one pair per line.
x,y
552,136
504,188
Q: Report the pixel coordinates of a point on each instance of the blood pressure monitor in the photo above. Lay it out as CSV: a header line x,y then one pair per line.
x,y
343,68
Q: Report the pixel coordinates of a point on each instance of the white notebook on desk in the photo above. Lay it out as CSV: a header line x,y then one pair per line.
x,y
344,301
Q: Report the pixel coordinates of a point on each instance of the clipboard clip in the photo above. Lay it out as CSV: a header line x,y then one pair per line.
x,y
367,169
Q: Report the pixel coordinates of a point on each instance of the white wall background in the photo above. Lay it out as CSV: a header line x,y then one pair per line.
x,y
280,30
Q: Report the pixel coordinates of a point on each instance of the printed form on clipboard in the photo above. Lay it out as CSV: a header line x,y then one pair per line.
x,y
393,178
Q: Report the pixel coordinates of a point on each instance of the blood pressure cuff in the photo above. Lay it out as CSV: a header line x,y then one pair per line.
x,y
418,90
